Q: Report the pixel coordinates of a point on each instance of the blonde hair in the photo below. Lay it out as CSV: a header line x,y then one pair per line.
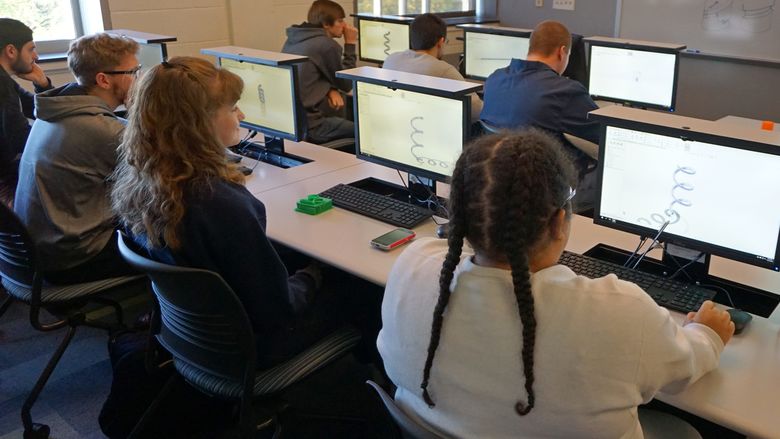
x,y
92,54
170,145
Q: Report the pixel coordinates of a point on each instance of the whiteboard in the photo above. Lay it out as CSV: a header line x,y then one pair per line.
x,y
740,28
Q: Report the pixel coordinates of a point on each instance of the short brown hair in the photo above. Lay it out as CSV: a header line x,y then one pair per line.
x,y
548,36
427,30
325,12
92,54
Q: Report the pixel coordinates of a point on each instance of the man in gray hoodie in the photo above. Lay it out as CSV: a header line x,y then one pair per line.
x,y
63,195
319,89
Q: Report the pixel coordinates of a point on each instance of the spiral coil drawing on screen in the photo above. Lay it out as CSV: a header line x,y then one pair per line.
x,y
417,146
678,192
387,42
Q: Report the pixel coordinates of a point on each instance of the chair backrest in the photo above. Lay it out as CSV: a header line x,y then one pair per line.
x,y
203,322
409,427
488,128
17,250
589,148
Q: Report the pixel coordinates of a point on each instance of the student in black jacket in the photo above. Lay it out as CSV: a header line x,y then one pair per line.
x,y
178,196
18,57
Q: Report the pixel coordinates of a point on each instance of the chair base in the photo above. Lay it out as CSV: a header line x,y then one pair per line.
x,y
37,431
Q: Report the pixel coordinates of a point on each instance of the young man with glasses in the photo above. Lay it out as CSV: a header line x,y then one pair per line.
x,y
63,192
19,58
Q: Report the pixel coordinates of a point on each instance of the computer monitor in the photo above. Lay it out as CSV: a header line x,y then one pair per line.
x,y
152,47
413,131
716,188
636,73
269,100
577,69
409,122
488,48
379,36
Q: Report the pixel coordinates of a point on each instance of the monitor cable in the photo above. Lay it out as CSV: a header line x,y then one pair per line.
x,y
652,245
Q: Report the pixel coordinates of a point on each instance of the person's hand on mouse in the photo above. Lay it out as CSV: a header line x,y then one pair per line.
x,y
716,319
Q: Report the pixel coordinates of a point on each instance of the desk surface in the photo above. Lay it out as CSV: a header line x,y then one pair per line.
x,y
265,177
743,394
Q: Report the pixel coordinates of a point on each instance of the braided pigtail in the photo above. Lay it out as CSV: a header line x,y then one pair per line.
x,y
457,232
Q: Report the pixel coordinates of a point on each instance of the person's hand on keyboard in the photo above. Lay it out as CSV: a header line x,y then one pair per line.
x,y
716,319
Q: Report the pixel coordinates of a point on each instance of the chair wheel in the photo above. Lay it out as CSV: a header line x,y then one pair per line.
x,y
38,431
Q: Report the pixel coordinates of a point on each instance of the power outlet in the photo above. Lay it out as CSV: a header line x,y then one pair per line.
x,y
567,5
539,3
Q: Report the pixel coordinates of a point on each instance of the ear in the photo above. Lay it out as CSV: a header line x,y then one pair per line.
x,y
101,81
559,225
10,51
442,41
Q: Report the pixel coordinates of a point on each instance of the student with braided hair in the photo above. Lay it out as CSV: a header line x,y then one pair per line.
x,y
501,341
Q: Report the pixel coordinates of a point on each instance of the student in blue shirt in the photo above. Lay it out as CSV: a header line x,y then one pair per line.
x,y
532,93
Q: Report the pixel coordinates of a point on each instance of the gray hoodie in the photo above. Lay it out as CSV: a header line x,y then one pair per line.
x,y
63,194
318,75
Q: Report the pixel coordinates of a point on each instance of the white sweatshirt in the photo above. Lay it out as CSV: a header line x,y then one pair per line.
x,y
602,348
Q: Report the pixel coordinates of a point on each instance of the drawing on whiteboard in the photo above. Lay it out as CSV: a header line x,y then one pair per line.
x,y
752,16
717,14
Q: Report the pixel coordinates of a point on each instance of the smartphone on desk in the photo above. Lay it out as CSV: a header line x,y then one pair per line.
x,y
393,239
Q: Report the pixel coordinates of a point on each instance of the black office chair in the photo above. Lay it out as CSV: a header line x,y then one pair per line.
x,y
410,429
23,282
207,331
488,128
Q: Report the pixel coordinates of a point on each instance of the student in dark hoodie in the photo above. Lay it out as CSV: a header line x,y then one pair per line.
x,y
320,91
18,57
63,194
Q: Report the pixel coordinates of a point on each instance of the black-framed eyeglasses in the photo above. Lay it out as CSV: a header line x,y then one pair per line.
x,y
134,71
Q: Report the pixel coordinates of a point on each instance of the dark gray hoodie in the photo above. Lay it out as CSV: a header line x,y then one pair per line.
x,y
318,75
62,194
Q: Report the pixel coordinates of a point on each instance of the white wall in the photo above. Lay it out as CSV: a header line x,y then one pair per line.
x,y
260,24
195,23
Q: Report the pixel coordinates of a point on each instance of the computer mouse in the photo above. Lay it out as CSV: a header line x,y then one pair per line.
x,y
740,319
441,231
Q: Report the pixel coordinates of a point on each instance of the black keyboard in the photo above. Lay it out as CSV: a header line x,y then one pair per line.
x,y
672,294
373,205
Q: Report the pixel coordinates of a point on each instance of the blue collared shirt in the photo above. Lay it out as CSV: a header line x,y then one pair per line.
x,y
531,94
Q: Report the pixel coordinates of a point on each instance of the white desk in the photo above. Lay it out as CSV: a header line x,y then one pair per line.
x,y
743,394
265,177
752,125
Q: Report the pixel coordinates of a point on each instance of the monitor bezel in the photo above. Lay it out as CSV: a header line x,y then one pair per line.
x,y
466,108
643,48
384,19
487,30
685,134
298,113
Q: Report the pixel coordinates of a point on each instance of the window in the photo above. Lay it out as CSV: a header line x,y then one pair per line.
x,y
54,22
404,7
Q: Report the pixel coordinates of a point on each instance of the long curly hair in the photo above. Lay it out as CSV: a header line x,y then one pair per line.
x,y
504,191
170,145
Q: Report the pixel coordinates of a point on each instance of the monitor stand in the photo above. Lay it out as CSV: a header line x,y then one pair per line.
x,y
745,297
271,152
420,190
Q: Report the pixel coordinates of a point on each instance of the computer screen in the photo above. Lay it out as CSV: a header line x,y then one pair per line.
x,y
718,194
642,77
151,54
268,100
484,53
378,39
419,133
